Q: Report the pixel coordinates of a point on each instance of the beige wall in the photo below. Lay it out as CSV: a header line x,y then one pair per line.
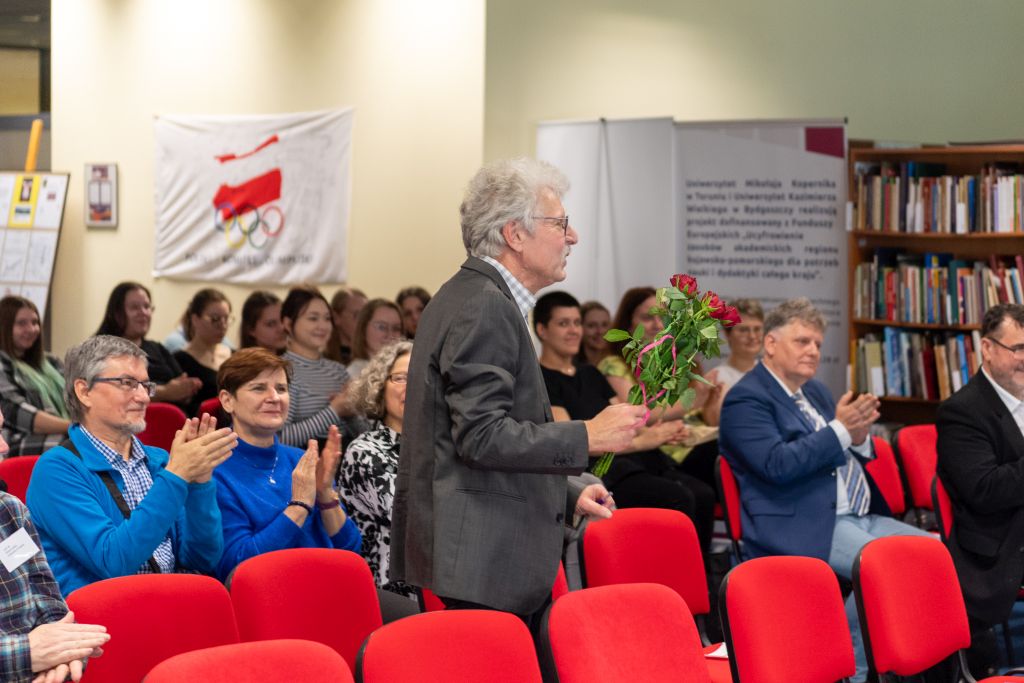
x,y
19,81
413,71
915,70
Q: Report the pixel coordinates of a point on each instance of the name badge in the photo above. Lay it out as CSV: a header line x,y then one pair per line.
x,y
17,549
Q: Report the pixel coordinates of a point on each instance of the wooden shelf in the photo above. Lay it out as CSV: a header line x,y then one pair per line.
x,y
908,400
914,326
926,236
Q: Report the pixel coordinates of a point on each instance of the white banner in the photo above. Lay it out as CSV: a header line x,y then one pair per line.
x,y
253,199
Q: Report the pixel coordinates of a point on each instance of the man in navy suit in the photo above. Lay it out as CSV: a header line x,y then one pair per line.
x,y
799,456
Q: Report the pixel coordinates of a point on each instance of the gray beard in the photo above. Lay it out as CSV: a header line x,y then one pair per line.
x,y
136,428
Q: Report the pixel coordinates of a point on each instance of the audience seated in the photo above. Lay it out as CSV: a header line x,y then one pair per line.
x,y
346,304
370,465
261,323
379,324
104,504
799,457
634,309
31,382
642,476
273,496
596,321
981,463
129,314
745,340
206,320
412,301
317,388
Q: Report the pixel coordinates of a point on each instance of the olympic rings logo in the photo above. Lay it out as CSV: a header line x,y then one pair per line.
x,y
248,224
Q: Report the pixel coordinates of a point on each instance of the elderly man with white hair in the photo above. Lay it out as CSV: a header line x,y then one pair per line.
x,y
104,504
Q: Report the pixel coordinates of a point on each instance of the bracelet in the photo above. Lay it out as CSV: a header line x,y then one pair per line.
x,y
306,506
328,506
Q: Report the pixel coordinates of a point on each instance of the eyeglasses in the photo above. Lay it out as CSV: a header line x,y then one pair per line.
x,y
1017,349
385,328
560,221
218,319
129,384
747,331
398,378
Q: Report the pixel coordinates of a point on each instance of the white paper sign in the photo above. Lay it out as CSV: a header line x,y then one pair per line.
x,y
17,549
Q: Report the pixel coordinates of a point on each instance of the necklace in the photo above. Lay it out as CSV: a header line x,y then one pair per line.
x,y
256,466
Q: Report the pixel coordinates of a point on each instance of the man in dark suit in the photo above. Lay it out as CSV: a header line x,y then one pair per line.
x,y
481,495
981,464
799,456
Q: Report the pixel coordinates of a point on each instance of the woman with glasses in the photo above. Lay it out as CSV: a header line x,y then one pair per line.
x,y
129,314
318,384
272,496
31,382
379,324
205,322
370,465
745,343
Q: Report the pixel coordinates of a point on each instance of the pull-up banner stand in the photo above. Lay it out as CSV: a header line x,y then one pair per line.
x,y
751,208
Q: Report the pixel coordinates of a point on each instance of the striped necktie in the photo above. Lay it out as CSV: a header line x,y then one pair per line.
x,y
857,492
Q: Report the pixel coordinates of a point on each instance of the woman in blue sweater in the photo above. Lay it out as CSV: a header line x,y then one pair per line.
x,y
273,496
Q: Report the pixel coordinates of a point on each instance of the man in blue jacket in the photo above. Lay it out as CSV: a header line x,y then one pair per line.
x,y
799,456
104,504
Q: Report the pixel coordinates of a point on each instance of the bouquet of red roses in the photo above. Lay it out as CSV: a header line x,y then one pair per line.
x,y
664,366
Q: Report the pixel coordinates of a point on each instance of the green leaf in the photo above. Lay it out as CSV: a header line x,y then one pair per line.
x,y
686,398
616,336
638,333
636,396
709,331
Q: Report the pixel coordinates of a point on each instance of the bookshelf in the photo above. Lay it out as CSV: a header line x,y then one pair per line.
x,y
938,236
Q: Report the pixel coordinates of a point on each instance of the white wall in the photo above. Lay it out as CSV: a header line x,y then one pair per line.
x,y
412,70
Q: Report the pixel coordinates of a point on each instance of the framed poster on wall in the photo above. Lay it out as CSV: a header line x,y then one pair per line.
x,y
101,195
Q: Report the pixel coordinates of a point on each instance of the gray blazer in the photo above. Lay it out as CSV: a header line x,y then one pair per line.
x,y
480,500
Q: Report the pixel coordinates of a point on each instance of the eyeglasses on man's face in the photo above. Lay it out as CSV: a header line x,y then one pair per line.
x,y
561,221
128,384
1017,349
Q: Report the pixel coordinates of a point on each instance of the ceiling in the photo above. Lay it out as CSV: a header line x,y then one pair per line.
x,y
25,24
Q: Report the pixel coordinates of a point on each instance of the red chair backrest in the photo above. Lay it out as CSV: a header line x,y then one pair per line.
x,y
647,545
16,472
162,421
630,632
460,646
886,475
151,617
943,509
915,448
213,408
784,621
269,661
318,594
429,602
729,494
911,609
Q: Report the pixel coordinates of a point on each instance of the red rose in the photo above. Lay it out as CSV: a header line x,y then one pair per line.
x,y
684,283
730,317
716,305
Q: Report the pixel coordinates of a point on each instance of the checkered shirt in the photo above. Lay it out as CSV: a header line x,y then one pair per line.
x,y
137,482
520,294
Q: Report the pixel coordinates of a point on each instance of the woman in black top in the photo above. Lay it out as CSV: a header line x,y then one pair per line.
x,y
205,322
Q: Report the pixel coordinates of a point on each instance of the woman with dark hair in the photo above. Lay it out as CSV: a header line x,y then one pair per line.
x,y
370,465
379,324
129,314
273,496
261,322
318,384
31,382
412,301
205,321
346,304
596,321
641,476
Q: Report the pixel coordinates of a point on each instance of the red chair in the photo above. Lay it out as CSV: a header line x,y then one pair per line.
x,y
151,617
317,594
943,507
784,621
630,632
915,449
886,475
429,602
162,421
16,473
648,545
213,408
911,610
461,646
729,494
269,661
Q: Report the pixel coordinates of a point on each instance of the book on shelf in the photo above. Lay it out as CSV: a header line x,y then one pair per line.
x,y
909,364
934,289
921,197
